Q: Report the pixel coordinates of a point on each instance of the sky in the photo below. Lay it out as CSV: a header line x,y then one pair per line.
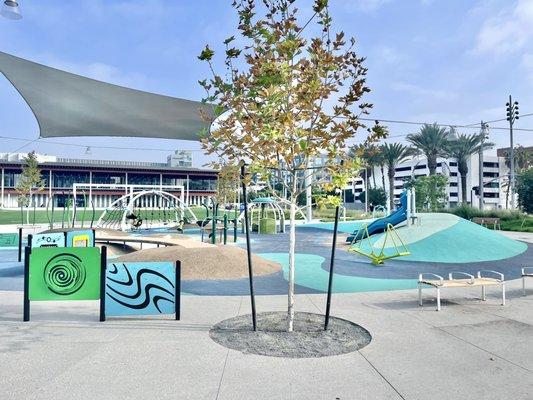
x,y
447,61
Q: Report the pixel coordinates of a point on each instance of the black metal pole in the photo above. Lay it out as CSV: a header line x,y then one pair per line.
x,y
177,289
331,265
20,244
248,249
103,267
26,305
30,240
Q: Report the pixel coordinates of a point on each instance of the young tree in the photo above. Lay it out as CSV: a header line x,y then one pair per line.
x,y
394,154
461,148
376,196
432,141
30,180
228,183
524,189
273,96
523,159
430,191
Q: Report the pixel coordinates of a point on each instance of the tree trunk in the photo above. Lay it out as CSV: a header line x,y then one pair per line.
x,y
432,164
463,189
463,172
507,196
382,176
28,205
391,188
373,177
292,246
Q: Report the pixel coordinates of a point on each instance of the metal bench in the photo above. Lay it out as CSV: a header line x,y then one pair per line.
x,y
527,272
484,221
469,281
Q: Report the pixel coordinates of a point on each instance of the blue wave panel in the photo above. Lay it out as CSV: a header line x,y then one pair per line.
x,y
55,239
140,288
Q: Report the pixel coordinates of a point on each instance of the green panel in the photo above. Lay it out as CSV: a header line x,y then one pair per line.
x,y
8,239
64,273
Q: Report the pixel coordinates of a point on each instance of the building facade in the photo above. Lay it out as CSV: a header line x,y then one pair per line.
x,y
495,180
60,174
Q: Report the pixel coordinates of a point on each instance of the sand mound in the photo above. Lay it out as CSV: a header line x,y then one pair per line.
x,y
213,262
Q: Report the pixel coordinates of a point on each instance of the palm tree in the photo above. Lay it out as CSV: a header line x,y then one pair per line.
x,y
394,154
432,141
461,148
370,155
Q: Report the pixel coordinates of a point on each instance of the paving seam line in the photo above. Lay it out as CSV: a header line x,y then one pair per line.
x,y
380,374
227,356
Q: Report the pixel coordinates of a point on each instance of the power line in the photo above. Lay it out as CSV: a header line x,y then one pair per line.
x,y
389,121
83,145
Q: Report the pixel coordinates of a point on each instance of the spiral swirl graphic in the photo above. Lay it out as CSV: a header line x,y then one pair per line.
x,y
64,274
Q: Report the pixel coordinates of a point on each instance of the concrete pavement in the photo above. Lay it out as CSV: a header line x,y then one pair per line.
x,y
470,350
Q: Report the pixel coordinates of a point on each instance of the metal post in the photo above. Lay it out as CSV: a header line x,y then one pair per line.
x,y
366,190
20,244
331,265
214,226
26,305
225,228
248,249
30,240
512,115
177,291
103,267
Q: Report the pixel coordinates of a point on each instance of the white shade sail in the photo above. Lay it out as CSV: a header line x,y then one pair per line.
x,y
66,104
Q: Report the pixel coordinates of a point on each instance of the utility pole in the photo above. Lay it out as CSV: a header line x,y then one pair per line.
x,y
484,135
512,116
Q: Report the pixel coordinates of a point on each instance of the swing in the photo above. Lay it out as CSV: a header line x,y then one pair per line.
x,y
379,257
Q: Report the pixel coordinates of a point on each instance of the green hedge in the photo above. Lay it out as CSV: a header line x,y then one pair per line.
x,y
267,225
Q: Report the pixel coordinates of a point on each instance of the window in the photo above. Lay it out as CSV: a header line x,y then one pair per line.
x,y
399,169
423,166
453,184
66,179
202,183
491,195
453,194
491,174
490,164
453,164
175,180
143,179
11,178
109,178
453,173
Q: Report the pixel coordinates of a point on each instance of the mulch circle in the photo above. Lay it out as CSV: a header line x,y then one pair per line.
x,y
308,340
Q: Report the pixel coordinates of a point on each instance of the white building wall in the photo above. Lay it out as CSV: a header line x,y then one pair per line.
x,y
493,169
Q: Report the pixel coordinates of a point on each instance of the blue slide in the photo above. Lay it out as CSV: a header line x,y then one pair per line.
x,y
379,225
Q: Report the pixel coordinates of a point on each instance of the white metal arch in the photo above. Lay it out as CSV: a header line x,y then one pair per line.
x,y
127,205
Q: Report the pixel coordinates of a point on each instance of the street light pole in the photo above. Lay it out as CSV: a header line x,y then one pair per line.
x,y
483,134
512,115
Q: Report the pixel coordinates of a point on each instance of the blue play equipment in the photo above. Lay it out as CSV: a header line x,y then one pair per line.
x,y
380,225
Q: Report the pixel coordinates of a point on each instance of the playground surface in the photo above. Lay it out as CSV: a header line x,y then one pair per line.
x,y
470,350
440,244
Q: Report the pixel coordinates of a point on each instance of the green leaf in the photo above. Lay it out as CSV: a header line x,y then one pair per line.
x,y
229,40
206,54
